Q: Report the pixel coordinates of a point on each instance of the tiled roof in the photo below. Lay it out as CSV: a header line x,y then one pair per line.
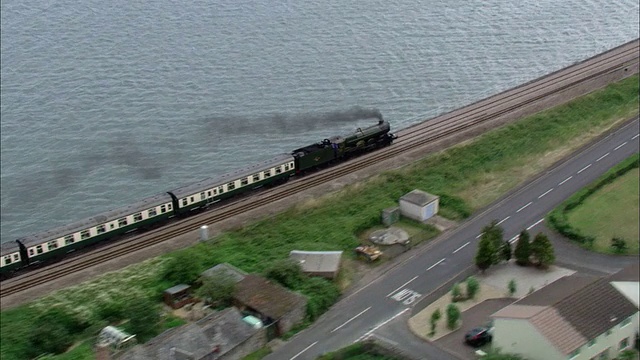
x,y
577,309
628,273
268,298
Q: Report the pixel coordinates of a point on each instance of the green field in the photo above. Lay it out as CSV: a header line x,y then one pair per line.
x,y
466,178
612,211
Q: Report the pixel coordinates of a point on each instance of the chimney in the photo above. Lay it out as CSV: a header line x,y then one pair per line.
x,y
103,352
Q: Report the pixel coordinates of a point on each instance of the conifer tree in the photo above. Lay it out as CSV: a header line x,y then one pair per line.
x,y
486,253
542,250
523,249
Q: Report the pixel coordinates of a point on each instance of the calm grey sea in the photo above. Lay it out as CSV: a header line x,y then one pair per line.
x,y
105,102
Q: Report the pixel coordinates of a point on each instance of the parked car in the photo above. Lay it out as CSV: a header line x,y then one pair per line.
x,y
479,336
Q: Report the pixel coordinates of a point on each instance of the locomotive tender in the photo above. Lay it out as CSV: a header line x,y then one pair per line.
x,y
158,209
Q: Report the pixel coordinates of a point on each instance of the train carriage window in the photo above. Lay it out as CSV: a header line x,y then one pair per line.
x,y
168,206
209,193
202,197
267,173
220,190
39,249
185,202
111,226
192,199
7,260
152,212
68,240
278,170
85,234
100,229
256,177
16,257
31,252
286,167
122,222
137,217
52,245
163,209
244,182
231,186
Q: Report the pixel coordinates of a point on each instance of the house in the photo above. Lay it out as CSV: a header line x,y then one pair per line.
x,y
270,302
419,205
318,263
576,317
220,336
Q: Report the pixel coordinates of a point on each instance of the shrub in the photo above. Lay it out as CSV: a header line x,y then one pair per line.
x,y
435,316
217,289
512,286
453,315
144,316
181,269
618,245
286,272
456,293
53,331
321,294
473,286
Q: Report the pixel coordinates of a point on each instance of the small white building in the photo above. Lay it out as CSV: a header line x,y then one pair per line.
x,y
419,205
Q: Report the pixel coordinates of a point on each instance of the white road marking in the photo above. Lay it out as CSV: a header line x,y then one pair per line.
x,y
305,349
401,286
565,180
548,191
522,208
503,220
619,146
461,247
584,168
514,239
406,296
633,138
348,321
537,222
434,265
379,326
602,157
479,235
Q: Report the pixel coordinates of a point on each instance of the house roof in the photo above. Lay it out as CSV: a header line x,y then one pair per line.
x,y
317,261
224,329
628,273
225,269
267,298
577,308
419,197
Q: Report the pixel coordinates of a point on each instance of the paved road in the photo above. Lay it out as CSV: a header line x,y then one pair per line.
x,y
386,302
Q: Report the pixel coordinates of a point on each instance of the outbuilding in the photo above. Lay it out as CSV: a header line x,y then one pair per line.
x,y
419,205
318,263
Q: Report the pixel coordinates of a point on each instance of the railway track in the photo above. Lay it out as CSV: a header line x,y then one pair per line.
x,y
621,59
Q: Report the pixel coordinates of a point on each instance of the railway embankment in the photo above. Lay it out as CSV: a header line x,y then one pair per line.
x,y
467,177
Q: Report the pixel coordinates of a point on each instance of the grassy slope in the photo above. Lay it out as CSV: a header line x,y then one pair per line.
x,y
611,211
466,177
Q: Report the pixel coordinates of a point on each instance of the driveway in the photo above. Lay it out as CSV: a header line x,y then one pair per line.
x,y
473,317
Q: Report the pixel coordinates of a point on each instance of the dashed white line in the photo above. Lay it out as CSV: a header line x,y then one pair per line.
x,y
633,138
584,168
379,326
503,220
619,146
565,180
305,349
401,286
602,157
522,208
513,239
348,321
461,247
536,223
548,191
434,265
479,235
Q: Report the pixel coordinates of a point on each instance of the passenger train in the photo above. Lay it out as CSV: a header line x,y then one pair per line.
x,y
156,210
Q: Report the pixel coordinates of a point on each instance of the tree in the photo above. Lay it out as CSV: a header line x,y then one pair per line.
x,y
494,232
628,354
542,250
456,293
505,251
473,286
453,315
523,251
512,287
217,289
618,245
286,272
143,315
52,332
435,317
181,269
486,253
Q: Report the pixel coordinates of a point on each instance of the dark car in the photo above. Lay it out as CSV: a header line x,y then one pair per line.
x,y
477,337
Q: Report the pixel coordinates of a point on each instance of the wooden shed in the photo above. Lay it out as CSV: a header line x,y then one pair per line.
x,y
178,296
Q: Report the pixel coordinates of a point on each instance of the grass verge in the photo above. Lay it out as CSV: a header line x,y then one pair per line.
x,y
466,178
